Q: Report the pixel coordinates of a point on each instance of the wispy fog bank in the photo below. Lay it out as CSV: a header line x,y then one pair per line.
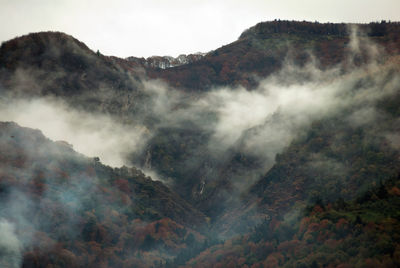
x,y
95,135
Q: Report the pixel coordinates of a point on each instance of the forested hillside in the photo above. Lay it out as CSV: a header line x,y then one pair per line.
x,y
280,149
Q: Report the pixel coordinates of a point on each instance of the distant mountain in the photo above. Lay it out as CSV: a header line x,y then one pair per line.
x,y
167,61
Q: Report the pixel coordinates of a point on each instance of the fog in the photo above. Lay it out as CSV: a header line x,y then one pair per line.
x,y
260,122
10,247
94,135
191,141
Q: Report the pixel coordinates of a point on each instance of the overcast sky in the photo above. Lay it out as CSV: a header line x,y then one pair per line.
x,y
144,28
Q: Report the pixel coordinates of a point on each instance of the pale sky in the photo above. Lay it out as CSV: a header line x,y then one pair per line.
x,y
144,28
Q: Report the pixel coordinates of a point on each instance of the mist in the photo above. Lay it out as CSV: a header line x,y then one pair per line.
x,y
209,147
94,135
10,246
217,124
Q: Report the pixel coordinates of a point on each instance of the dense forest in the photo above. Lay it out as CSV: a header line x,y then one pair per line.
x,y
281,149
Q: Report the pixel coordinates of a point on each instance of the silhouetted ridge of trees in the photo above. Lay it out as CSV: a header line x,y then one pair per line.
x,y
264,29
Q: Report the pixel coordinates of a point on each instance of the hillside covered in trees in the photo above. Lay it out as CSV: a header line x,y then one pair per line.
x,y
280,149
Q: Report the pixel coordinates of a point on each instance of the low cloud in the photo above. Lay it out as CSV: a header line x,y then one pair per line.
x,y
205,130
10,246
95,135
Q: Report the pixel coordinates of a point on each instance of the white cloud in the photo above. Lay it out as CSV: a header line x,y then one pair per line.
x,y
90,134
10,246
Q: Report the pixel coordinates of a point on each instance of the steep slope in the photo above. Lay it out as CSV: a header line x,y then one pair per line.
x,y
344,154
206,177
259,51
337,157
363,232
279,48
73,207
57,65
263,49
331,199
316,128
67,65
182,150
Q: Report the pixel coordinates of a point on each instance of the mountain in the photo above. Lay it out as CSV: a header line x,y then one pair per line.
x,y
61,60
167,61
56,64
326,47
362,232
258,52
262,50
63,199
280,149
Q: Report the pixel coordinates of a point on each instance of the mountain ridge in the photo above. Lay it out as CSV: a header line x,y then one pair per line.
x,y
263,30
285,139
